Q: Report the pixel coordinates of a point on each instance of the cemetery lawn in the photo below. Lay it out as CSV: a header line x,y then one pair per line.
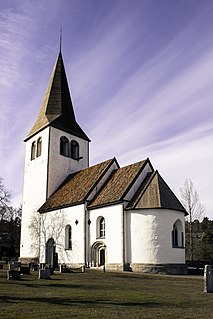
x,y
96,294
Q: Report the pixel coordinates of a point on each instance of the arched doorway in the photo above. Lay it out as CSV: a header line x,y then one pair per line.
x,y
102,257
98,254
51,255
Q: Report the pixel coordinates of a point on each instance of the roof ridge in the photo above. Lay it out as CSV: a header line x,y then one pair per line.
x,y
136,163
136,176
101,176
102,187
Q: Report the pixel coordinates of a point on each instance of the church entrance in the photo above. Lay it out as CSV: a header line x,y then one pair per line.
x,y
98,254
102,257
51,255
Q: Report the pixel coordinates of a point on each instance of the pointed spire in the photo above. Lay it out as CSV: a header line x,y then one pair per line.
x,y
57,109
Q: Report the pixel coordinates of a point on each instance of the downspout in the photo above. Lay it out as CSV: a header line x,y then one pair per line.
x,y
85,234
88,154
123,237
39,240
48,163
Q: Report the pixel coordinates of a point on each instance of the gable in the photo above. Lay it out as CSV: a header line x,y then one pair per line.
x,y
118,185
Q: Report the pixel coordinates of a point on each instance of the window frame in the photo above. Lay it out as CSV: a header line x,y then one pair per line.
x,y
100,227
177,235
33,150
64,146
74,150
39,147
68,237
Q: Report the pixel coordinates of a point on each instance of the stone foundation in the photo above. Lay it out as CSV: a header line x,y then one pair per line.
x,y
114,267
109,267
27,260
74,265
169,269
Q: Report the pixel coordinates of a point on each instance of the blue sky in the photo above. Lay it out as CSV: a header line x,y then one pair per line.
x,y
140,74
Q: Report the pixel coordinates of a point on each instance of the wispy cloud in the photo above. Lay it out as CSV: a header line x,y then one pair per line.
x,y
20,26
162,109
140,88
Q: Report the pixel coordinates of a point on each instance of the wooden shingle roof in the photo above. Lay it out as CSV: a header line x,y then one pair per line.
x,y
155,193
57,108
77,187
118,185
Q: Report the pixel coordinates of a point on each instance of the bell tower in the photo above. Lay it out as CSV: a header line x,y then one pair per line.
x,y
56,146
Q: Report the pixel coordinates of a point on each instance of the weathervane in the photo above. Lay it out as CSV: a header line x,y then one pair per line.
x,y
60,38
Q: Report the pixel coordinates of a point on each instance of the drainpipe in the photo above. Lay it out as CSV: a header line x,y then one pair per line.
x,y
123,237
85,232
86,235
39,239
48,164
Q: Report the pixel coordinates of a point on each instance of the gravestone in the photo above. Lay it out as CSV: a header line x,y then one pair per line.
x,y
13,274
61,268
25,269
208,279
44,274
34,267
12,266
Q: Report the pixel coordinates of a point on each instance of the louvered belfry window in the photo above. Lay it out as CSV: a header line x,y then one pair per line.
x,y
33,150
64,146
74,150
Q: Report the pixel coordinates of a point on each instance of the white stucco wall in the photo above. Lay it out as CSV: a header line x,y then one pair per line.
x,y
34,191
114,235
43,175
54,224
61,166
149,232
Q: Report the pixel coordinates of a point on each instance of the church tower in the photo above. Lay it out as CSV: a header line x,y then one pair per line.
x,y
56,146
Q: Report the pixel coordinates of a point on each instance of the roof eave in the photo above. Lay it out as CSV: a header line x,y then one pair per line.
x,y
42,211
105,204
155,207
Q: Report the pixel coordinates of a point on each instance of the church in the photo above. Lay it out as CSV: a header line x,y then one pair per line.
x,y
101,216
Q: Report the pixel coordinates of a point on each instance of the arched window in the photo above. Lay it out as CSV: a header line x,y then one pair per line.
x,y
39,143
177,235
74,150
68,237
100,227
64,146
33,150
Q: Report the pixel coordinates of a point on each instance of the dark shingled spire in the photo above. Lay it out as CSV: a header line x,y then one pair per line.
x,y
57,109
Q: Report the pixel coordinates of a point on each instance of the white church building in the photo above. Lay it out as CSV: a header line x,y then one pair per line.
x,y
120,218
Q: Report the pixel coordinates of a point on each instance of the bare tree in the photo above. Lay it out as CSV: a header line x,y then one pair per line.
x,y
190,200
42,228
10,220
5,197
35,228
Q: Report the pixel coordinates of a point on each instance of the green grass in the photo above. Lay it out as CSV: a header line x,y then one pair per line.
x,y
96,294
